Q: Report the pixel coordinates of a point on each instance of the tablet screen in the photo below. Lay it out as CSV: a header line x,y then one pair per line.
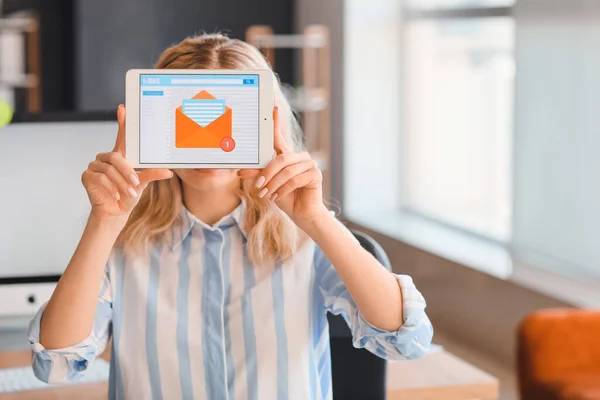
x,y
199,119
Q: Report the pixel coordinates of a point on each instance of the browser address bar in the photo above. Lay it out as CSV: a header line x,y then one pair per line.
x,y
175,81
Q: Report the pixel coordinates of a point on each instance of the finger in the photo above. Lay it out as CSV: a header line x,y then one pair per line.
x,y
297,182
101,180
249,173
279,141
120,142
117,160
125,188
279,163
151,175
286,174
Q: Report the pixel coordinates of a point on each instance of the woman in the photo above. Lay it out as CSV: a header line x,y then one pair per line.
x,y
214,284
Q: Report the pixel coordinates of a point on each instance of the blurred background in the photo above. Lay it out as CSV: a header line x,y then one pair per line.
x,y
461,134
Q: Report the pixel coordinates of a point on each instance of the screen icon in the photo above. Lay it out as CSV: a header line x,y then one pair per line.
x,y
204,122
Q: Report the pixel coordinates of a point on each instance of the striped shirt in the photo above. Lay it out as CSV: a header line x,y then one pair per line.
x,y
194,319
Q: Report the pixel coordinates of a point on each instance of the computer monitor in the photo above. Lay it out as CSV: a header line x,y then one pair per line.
x,y
43,205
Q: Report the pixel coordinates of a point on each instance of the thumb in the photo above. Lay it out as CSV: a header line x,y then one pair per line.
x,y
120,141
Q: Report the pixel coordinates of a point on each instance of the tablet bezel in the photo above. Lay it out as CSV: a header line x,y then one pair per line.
x,y
266,103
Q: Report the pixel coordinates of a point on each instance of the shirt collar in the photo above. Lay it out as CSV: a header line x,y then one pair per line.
x,y
186,221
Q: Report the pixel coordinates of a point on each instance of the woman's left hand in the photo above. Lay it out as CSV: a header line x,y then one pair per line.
x,y
292,180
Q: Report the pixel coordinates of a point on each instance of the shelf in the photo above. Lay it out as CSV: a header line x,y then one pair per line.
x,y
312,98
17,24
307,100
289,41
22,21
19,80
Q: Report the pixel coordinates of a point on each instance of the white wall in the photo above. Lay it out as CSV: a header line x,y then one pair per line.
x,y
372,104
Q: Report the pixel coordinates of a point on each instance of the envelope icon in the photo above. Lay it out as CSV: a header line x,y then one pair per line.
x,y
189,134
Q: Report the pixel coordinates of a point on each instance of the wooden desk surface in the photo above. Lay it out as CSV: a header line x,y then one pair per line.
x,y
87,391
439,375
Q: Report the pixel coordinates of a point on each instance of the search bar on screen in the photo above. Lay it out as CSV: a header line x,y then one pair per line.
x,y
207,81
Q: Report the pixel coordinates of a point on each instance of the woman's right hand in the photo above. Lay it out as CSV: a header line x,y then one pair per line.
x,y
113,186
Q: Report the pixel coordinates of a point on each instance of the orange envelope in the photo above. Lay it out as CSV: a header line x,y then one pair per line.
x,y
189,134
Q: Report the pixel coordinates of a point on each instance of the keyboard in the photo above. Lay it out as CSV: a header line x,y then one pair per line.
x,y
20,379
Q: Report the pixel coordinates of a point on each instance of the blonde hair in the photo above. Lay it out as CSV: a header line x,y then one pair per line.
x,y
271,235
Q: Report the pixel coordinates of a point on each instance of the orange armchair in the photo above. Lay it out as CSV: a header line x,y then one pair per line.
x,y
559,355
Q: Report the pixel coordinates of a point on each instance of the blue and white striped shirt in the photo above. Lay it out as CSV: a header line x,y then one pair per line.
x,y
195,320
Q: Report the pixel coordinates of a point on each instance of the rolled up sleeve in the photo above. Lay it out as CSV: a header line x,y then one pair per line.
x,y
410,341
69,364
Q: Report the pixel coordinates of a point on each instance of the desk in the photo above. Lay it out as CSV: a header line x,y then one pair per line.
x,y
439,376
87,391
435,377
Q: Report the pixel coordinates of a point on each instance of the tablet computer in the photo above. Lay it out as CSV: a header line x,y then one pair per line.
x,y
199,118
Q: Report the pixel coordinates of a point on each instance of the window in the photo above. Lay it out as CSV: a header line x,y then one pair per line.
x,y
458,96
497,136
